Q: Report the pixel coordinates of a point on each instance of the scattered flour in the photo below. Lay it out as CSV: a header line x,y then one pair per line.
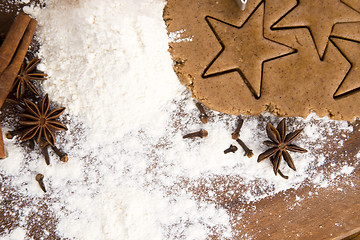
x,y
347,170
16,234
177,37
130,173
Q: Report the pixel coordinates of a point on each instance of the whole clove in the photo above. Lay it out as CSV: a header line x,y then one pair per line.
x,y
248,152
39,178
236,134
203,116
232,149
63,156
202,133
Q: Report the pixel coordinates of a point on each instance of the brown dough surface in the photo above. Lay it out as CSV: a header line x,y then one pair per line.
x,y
281,56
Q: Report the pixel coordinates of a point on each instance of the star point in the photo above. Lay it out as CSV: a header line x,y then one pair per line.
x,y
351,51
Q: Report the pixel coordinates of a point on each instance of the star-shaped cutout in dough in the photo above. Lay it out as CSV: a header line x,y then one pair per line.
x,y
350,49
244,49
319,16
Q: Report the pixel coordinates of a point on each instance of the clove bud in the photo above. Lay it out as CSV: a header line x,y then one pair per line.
x,y
232,149
203,116
39,178
248,152
63,156
236,134
202,133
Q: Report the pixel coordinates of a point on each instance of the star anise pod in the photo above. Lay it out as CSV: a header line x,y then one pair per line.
x,y
280,145
40,121
25,76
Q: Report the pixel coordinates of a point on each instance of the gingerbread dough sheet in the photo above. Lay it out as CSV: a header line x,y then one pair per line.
x,y
271,57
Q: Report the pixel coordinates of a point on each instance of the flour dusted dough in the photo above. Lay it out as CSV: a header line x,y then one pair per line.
x,y
290,85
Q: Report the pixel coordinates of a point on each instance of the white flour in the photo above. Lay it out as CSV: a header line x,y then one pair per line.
x,y
106,64
130,173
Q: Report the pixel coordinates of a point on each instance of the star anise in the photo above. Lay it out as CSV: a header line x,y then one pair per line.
x,y
25,75
280,145
40,122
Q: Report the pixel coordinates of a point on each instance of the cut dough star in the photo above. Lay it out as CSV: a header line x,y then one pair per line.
x,y
351,51
244,49
319,16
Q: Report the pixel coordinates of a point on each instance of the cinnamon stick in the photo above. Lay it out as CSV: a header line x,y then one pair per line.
x,y
8,76
12,40
2,148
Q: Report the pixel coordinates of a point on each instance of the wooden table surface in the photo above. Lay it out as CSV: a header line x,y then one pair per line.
x,y
330,214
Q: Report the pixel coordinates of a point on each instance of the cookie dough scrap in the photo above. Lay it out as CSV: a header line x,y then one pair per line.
x,y
229,68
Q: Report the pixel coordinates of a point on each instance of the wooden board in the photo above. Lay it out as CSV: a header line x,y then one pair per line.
x,y
331,214
328,213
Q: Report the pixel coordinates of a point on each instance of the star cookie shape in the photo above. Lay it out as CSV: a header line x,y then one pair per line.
x,y
350,49
319,16
245,49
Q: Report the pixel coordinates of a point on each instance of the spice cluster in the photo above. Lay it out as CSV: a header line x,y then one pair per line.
x,y
280,142
38,122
